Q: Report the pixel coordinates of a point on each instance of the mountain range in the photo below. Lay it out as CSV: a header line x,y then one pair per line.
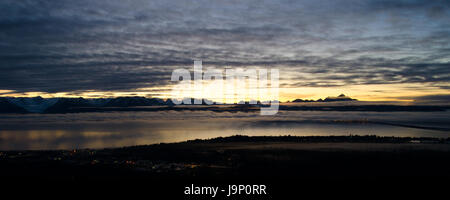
x,y
341,97
62,105
76,105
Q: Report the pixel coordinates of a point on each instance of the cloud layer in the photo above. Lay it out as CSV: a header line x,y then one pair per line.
x,y
69,46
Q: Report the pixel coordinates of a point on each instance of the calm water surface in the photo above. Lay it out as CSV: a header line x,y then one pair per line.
x,y
116,129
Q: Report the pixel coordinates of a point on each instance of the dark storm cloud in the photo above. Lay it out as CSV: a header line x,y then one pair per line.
x,y
64,46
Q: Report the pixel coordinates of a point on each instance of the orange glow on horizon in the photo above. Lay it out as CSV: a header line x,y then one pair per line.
x,y
380,92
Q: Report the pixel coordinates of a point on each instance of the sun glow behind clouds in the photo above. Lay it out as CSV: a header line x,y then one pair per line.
x,y
223,91
212,91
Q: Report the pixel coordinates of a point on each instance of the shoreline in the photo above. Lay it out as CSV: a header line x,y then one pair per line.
x,y
239,156
255,140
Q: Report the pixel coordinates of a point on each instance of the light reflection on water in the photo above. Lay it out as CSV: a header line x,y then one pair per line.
x,y
116,129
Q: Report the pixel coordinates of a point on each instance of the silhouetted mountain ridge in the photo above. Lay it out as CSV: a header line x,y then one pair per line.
x,y
134,101
341,97
8,107
62,105
132,104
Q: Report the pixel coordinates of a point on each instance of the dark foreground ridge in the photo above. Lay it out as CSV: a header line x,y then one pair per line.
x,y
284,164
242,156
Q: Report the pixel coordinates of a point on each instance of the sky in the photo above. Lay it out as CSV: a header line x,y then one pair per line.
x,y
374,50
